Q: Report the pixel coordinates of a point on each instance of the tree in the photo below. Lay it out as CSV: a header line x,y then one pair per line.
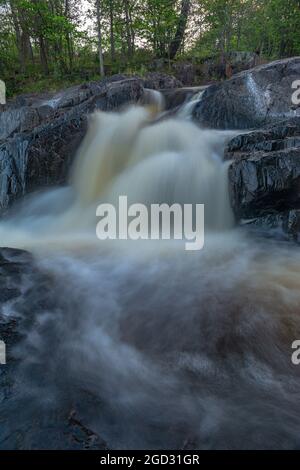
x,y
99,32
181,26
49,38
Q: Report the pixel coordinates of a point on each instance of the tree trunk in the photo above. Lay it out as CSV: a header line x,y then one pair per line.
x,y
112,35
179,35
100,53
43,55
22,35
18,34
128,28
68,36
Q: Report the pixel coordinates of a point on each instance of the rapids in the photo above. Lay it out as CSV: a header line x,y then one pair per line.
x,y
156,347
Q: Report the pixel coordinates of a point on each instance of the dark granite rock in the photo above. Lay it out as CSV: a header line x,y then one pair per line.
x,y
120,93
265,172
159,81
282,225
264,178
17,120
251,99
185,72
174,98
44,134
41,132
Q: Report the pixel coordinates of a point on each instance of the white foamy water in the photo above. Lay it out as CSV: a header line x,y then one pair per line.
x,y
153,346
171,161
185,112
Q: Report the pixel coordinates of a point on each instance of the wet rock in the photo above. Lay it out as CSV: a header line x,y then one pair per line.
x,y
265,182
265,172
251,99
185,72
16,272
264,178
40,158
32,417
41,132
47,104
283,136
44,134
18,120
123,92
159,81
177,97
283,225
81,434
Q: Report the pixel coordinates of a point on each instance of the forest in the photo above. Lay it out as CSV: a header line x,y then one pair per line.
x,y
149,229
47,44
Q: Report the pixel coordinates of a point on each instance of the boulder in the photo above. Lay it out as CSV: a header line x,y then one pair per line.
x,y
40,133
176,97
282,225
242,60
264,177
220,68
159,81
17,120
185,72
123,92
42,136
251,99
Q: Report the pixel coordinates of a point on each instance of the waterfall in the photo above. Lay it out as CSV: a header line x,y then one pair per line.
x,y
132,153
186,109
152,347
168,161
154,99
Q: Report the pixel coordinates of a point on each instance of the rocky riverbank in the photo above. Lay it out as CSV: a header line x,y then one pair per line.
x,y
39,135
264,175
158,349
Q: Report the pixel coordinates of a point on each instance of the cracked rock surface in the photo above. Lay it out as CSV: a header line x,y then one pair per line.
x,y
251,99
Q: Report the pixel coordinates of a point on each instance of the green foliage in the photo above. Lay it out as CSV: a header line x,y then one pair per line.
x,y
45,44
268,26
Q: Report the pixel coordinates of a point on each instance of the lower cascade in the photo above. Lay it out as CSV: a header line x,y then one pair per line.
x,y
149,345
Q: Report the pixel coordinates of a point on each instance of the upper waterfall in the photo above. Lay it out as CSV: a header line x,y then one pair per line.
x,y
169,161
131,153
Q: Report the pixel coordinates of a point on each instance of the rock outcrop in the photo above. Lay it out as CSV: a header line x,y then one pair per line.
x,y
264,177
251,99
218,68
160,81
41,133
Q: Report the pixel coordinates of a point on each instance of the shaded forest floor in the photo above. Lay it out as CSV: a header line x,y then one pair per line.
x,y
187,70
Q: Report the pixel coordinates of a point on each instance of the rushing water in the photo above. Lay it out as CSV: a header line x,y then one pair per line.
x,y
154,346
